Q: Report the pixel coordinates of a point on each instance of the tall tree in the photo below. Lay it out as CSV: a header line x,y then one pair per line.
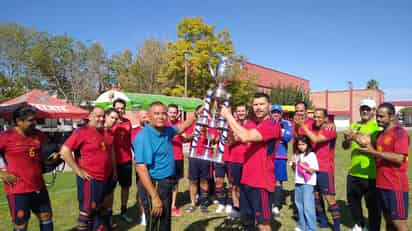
x,y
289,95
372,84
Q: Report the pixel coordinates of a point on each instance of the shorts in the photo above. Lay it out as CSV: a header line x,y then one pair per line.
x,y
325,183
200,169
124,174
394,203
91,193
221,169
254,203
179,169
281,173
21,204
235,173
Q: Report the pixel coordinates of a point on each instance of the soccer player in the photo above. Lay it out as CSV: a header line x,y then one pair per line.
x,y
281,157
22,176
237,152
173,120
258,175
362,172
323,144
391,155
123,150
93,167
155,165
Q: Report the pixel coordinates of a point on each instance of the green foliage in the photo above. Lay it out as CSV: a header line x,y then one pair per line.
x,y
372,84
10,88
406,110
289,95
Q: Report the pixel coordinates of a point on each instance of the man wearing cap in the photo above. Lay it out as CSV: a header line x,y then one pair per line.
x,y
281,157
362,172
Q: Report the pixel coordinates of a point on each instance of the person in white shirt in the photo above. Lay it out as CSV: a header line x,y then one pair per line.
x,y
305,165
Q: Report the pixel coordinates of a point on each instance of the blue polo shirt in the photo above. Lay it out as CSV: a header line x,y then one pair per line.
x,y
155,149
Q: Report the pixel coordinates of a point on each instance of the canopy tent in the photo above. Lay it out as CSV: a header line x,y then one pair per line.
x,y
45,105
136,101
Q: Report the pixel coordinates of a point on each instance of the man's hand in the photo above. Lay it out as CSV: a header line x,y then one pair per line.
x,y
8,178
299,121
349,135
157,206
225,112
330,126
83,174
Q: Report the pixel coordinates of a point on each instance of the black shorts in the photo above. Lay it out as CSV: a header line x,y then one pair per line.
x,y
179,169
200,169
235,173
124,174
221,169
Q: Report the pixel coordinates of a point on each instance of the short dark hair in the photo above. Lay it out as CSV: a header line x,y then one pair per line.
x,y
302,102
389,107
261,95
155,103
324,110
173,105
198,107
305,140
110,110
23,112
241,105
119,100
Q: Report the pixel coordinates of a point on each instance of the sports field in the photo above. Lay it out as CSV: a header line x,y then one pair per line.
x,y
64,202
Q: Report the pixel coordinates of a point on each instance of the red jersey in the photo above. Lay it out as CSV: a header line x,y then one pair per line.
x,y
22,157
200,149
325,151
177,142
238,150
309,124
390,175
95,151
121,142
258,168
134,133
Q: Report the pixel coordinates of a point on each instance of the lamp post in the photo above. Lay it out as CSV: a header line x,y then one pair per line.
x,y
186,54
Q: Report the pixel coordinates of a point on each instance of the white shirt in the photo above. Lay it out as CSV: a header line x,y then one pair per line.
x,y
311,160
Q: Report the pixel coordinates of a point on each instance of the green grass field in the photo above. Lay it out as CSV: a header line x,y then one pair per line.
x,y
65,208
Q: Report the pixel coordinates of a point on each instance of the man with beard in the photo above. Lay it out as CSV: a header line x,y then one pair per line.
x,y
22,176
362,172
391,154
155,165
258,176
93,168
323,144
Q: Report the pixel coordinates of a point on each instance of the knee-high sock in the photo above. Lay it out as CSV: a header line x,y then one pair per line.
x,y
229,200
46,225
335,211
278,196
221,195
320,211
203,196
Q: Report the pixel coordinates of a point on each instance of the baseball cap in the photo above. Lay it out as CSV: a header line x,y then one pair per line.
x,y
276,107
368,102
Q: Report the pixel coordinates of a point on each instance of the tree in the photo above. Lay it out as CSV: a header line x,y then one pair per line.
x,y
200,41
289,95
372,84
10,88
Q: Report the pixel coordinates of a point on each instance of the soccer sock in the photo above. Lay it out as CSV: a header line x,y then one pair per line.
x,y
221,195
83,221
278,196
335,211
203,197
229,200
16,229
123,209
107,218
46,225
320,211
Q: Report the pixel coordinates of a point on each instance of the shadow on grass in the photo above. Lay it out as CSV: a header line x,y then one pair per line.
x,y
225,225
182,198
346,217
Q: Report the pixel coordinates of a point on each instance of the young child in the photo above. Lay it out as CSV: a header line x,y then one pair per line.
x,y
305,164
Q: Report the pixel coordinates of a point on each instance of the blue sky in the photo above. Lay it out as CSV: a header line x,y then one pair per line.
x,y
327,42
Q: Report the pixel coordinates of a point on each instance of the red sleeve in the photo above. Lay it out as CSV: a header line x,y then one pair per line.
x,y
73,142
269,130
402,142
329,134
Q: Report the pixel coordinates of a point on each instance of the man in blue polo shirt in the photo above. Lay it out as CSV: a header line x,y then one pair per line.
x,y
155,165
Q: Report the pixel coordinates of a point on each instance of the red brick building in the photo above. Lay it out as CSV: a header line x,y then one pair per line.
x,y
343,105
268,78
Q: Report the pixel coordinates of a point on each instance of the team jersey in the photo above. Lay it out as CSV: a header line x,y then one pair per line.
x,y
177,142
238,150
258,168
121,142
390,175
95,151
325,151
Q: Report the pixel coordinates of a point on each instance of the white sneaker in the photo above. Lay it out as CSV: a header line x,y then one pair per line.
x,y
297,229
228,209
356,227
220,208
276,211
143,220
234,214
215,201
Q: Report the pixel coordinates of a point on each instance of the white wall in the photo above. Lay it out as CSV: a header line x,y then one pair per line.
x,y
341,122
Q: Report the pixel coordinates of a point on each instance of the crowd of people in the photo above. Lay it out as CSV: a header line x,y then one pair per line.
x,y
247,184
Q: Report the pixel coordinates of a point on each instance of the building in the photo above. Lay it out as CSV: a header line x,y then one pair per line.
x,y
343,105
405,117
268,78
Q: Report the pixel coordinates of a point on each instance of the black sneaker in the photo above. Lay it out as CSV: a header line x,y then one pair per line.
x,y
203,209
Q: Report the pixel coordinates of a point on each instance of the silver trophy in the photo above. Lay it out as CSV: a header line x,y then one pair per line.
x,y
211,118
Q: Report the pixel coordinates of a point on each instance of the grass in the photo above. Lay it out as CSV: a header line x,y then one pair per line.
x,y
65,208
